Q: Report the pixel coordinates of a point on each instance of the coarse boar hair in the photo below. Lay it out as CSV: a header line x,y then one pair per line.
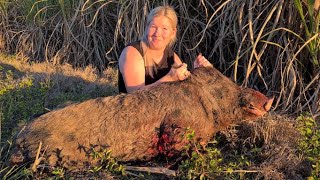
x,y
141,125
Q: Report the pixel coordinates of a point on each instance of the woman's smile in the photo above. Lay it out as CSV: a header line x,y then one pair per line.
x,y
160,32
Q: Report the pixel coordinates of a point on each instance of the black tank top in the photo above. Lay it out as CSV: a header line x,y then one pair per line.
x,y
162,69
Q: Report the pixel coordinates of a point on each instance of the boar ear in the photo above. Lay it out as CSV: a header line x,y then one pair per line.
x,y
268,104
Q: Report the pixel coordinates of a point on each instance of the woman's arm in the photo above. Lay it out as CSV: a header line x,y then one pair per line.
x,y
131,66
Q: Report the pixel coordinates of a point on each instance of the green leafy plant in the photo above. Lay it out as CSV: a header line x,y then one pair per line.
x,y
309,144
58,172
19,100
106,162
204,162
201,162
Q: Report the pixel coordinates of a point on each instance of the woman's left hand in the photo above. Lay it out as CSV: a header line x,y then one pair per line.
x,y
201,61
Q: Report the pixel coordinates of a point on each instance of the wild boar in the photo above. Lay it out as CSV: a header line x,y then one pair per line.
x,y
144,124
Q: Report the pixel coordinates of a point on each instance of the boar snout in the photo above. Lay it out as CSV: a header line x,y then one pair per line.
x,y
257,110
259,105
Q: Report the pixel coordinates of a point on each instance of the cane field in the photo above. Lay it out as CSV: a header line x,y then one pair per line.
x,y
57,52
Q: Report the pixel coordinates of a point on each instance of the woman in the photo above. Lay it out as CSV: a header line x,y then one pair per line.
x,y
151,61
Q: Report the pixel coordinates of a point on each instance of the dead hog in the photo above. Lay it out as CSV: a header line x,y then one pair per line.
x,y
141,125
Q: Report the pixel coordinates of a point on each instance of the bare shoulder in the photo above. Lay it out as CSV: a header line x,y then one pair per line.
x,y
132,68
130,52
130,56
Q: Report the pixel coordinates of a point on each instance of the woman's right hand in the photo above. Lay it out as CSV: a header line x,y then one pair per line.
x,y
179,72
201,61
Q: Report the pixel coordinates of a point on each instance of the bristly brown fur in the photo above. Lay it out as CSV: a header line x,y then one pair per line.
x,y
140,125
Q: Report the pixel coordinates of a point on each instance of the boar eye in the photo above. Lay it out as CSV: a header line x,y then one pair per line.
x,y
251,106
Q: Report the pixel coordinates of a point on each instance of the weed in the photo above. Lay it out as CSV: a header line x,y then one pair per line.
x,y
20,99
58,172
310,142
106,162
204,162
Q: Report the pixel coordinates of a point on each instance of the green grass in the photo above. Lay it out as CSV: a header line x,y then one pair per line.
x,y
24,95
19,101
310,142
310,18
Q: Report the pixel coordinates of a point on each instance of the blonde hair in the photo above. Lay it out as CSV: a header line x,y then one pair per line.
x,y
168,12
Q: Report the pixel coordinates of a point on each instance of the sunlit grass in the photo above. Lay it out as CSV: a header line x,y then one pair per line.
x,y
27,89
310,17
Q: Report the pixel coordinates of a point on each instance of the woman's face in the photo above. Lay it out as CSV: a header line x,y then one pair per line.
x,y
160,32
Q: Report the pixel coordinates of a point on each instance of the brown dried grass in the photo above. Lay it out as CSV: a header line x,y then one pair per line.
x,y
271,144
